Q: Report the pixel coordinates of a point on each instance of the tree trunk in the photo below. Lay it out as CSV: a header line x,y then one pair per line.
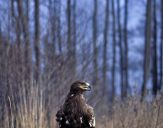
x,y
106,30
154,53
27,54
114,50
19,31
125,49
70,47
120,48
95,49
53,30
74,37
59,27
37,42
161,48
69,26
18,28
147,50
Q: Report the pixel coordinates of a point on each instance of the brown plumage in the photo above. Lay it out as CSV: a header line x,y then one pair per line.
x,y
75,112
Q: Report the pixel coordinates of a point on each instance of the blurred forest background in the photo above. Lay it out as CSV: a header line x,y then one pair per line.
x,y
115,45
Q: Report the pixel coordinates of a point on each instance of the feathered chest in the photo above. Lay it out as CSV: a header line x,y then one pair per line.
x,y
75,113
75,105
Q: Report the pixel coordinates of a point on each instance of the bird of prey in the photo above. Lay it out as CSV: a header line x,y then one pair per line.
x,y
75,112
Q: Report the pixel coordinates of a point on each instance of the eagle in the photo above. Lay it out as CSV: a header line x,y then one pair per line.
x,y
75,112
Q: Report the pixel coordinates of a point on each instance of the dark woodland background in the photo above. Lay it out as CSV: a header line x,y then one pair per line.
x,y
45,45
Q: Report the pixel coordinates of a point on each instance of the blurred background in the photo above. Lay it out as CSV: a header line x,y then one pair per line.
x,y
45,45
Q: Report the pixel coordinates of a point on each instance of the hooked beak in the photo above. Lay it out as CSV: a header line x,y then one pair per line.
x,y
86,86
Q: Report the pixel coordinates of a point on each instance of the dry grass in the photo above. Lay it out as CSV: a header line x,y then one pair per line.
x,y
134,114
31,112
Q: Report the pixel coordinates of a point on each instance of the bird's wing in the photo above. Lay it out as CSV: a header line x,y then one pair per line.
x,y
61,118
90,117
59,115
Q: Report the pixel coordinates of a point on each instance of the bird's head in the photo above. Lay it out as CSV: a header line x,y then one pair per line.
x,y
80,87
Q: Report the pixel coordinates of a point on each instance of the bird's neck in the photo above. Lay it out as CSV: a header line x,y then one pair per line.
x,y
74,94
78,98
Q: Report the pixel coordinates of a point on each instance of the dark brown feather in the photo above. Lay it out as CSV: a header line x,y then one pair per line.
x,y
75,113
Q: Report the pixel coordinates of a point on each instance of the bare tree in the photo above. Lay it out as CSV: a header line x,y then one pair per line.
x,y
114,49
147,50
16,21
59,27
20,31
106,31
120,48
70,40
37,41
154,53
161,49
27,49
53,25
95,49
74,43
69,43
125,66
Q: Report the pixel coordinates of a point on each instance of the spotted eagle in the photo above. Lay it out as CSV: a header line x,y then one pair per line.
x,y
75,112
